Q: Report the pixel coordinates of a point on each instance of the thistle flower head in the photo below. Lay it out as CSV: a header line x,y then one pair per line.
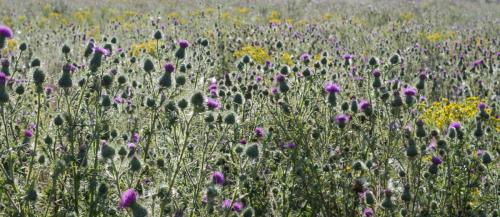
x,y
341,118
28,133
226,204
280,77
481,106
410,91
422,76
3,78
347,56
212,103
183,43
238,206
169,67
218,178
305,57
102,51
456,125
363,105
436,160
128,198
259,132
368,212
331,87
477,63
6,31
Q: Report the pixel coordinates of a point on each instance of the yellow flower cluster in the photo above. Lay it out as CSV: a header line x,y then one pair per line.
x,y
243,10
258,54
407,16
441,114
148,46
274,17
439,36
11,46
286,58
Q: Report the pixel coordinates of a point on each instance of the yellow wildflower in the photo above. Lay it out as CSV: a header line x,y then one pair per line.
x,y
286,58
258,54
148,46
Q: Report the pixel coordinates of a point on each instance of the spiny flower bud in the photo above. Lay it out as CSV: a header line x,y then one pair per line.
x,y
135,164
197,99
35,62
230,118
148,66
373,61
157,35
370,198
166,80
107,152
65,49
406,196
487,158
31,194
38,76
252,151
183,103
65,80
394,59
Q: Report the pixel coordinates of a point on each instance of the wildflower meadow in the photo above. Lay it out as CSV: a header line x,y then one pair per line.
x,y
331,108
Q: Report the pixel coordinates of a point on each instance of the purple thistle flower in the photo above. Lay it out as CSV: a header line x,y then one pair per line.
x,y
481,106
436,160
480,152
341,118
212,86
118,100
291,145
238,206
6,31
259,132
101,51
212,103
280,78
69,67
128,198
5,63
243,141
347,56
269,64
258,78
131,146
274,90
183,43
456,125
368,212
305,57
28,133
432,144
135,138
363,105
3,78
376,72
218,178
477,63
169,67
49,89
226,204
331,87
422,76
410,91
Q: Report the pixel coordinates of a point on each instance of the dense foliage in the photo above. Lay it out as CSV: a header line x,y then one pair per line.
x,y
289,108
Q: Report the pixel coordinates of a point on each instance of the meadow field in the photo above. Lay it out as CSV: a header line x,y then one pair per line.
x,y
370,108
